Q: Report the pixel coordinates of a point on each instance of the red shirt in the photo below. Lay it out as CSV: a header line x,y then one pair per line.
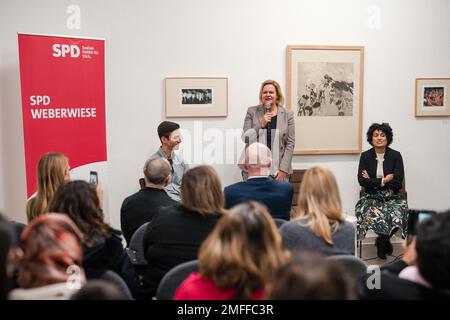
x,y
195,287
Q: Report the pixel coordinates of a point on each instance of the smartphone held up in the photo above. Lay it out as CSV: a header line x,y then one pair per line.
x,y
93,177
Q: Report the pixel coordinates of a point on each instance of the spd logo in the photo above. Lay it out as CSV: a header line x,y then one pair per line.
x,y
63,50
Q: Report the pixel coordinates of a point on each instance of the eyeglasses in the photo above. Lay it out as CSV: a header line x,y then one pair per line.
x,y
175,138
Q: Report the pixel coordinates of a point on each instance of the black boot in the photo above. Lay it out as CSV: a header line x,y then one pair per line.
x,y
389,248
382,243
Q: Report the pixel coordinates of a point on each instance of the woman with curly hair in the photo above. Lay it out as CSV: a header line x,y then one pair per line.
x,y
382,209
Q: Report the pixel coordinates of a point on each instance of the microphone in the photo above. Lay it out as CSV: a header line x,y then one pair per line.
x,y
267,108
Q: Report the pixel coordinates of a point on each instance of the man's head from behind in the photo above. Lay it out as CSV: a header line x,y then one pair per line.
x,y
169,134
157,171
433,250
258,160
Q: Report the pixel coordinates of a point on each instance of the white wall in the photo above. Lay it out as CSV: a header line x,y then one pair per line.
x,y
245,41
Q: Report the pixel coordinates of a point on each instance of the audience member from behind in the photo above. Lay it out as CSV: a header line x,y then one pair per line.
x,y
140,207
99,290
102,245
238,258
175,235
50,260
170,137
318,223
6,242
426,273
276,195
52,171
308,277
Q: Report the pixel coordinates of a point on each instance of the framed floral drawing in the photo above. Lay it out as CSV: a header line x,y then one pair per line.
x,y
325,91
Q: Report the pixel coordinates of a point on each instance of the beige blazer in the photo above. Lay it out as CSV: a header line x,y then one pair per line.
x,y
284,140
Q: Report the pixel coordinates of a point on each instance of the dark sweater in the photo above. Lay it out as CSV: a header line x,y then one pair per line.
x,y
173,237
140,208
107,253
297,237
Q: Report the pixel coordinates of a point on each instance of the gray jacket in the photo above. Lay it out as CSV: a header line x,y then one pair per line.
x,y
283,147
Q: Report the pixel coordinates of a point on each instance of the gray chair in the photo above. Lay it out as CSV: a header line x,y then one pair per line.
x,y
135,249
113,278
279,222
173,279
356,267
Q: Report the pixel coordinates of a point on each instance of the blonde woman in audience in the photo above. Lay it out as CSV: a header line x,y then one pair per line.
x,y
176,232
238,258
318,223
52,171
50,259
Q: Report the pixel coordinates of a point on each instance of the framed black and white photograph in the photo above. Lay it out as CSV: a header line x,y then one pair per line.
x,y
325,92
432,97
196,97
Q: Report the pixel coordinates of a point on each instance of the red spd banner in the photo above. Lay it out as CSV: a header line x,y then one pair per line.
x,y
63,100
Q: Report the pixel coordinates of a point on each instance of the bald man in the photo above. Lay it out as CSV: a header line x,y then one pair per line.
x,y
275,195
140,207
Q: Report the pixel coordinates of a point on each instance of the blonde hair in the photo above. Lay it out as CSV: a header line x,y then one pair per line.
x,y
319,201
51,172
243,250
201,191
280,97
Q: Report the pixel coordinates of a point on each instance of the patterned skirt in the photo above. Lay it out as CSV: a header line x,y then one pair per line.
x,y
381,212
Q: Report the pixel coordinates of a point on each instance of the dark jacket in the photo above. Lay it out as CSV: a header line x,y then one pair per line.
x,y
391,287
173,237
107,253
140,208
275,195
393,163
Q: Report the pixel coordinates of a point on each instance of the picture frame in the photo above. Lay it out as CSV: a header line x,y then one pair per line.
x,y
325,86
432,97
191,97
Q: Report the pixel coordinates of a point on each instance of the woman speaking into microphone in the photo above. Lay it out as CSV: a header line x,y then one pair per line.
x,y
273,125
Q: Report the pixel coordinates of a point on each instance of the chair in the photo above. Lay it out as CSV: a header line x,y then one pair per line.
x,y
279,222
354,265
112,277
136,248
296,179
362,192
173,279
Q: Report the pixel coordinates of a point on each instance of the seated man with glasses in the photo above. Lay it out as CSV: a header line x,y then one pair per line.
x,y
170,137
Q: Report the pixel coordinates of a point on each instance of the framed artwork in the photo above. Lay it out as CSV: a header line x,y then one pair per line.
x,y
432,97
196,97
325,92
